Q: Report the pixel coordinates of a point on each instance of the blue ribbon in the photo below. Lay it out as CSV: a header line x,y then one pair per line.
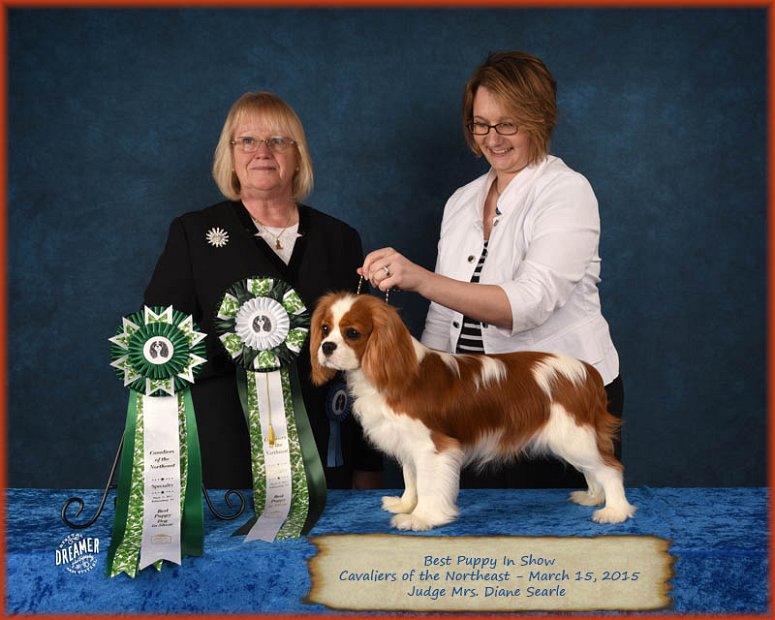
x,y
338,407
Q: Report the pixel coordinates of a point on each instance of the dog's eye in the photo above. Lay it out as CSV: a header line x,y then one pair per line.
x,y
352,334
325,329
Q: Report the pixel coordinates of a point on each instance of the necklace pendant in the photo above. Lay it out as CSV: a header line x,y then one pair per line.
x,y
278,245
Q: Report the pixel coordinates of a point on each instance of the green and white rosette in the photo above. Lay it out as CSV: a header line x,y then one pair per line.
x,y
157,352
263,324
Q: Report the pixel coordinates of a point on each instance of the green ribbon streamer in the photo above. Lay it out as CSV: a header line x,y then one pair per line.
x,y
308,490
126,537
316,478
192,525
297,515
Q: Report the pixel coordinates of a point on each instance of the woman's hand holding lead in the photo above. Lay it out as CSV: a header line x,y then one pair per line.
x,y
387,269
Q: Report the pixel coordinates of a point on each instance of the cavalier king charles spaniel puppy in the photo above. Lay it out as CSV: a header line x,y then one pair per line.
x,y
435,412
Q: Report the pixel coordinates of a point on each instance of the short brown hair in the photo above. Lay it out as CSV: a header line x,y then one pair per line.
x,y
526,88
278,112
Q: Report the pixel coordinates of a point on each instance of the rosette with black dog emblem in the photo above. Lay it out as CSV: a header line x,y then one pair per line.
x,y
157,352
262,323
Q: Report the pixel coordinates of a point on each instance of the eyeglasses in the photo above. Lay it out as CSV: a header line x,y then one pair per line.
x,y
482,129
249,144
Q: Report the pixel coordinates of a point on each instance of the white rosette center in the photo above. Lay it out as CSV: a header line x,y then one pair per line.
x,y
262,323
158,350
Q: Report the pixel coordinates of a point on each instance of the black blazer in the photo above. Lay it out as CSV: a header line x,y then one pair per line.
x,y
192,275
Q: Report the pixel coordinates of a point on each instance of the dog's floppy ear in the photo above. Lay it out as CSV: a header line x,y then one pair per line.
x,y
320,374
389,359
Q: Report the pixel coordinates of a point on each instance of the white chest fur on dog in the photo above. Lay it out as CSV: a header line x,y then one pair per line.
x,y
394,433
433,412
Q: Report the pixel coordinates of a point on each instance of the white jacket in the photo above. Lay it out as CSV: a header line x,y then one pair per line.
x,y
543,252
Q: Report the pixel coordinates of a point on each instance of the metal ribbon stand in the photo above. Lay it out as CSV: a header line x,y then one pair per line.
x,y
228,496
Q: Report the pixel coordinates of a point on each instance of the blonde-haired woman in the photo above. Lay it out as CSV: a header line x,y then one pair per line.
x,y
263,167
518,265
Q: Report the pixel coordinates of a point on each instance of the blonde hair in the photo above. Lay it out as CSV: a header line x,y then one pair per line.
x,y
277,112
526,88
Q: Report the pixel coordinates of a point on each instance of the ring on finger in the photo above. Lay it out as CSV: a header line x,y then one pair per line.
x,y
387,271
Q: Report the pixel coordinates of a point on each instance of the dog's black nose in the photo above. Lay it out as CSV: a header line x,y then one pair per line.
x,y
328,348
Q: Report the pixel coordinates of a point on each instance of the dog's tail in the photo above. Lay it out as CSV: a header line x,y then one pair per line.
x,y
607,425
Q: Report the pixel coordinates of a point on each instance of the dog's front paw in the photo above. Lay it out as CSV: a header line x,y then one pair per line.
x,y
397,505
410,522
421,520
587,498
613,514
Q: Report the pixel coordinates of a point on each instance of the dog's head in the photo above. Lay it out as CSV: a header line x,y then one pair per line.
x,y
349,332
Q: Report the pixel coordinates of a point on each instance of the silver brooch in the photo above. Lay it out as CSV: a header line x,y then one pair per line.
x,y
217,237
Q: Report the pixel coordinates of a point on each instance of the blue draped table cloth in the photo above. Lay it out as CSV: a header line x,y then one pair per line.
x,y
719,539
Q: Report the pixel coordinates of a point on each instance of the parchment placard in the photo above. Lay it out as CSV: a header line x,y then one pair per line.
x,y
470,573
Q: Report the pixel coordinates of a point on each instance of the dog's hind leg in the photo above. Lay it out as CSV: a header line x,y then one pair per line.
x,y
407,501
593,496
577,444
438,482
617,508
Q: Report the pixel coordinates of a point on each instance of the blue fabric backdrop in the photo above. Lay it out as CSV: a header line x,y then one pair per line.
x,y
114,114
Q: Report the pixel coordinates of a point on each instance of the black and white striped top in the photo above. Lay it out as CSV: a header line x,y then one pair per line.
x,y
470,340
